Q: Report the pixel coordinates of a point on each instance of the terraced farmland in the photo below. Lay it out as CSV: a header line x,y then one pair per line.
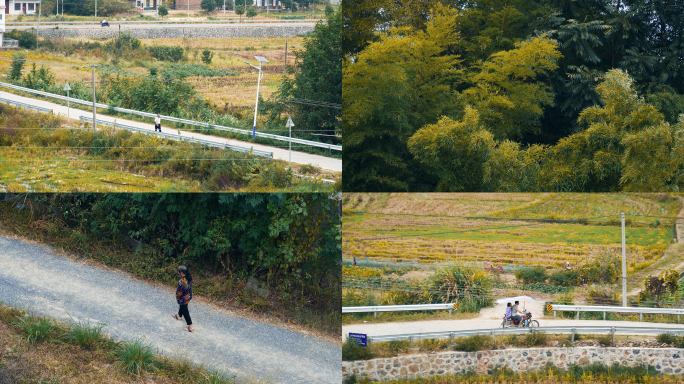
x,y
497,228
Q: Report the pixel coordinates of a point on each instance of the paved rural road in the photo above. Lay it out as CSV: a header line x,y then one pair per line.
x,y
33,277
489,318
323,162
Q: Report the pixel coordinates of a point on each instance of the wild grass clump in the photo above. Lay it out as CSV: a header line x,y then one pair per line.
x,y
352,350
474,343
135,357
84,334
215,377
674,340
35,328
535,339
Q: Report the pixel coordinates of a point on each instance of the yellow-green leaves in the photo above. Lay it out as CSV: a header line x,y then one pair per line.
x,y
456,151
507,92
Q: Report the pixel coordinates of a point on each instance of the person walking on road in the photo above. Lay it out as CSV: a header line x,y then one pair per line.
x,y
157,123
183,296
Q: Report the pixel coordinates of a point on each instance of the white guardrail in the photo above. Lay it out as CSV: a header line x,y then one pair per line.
x,y
400,308
175,119
27,106
596,308
508,331
170,136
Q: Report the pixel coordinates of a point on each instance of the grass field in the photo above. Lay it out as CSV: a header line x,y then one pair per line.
x,y
492,227
237,90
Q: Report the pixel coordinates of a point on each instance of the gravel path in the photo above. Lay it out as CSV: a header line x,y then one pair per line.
x,y
32,276
280,153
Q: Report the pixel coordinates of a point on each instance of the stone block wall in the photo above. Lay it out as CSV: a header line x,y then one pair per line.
x,y
666,360
177,32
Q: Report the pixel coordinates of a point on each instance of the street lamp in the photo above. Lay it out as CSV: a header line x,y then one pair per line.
x,y
261,74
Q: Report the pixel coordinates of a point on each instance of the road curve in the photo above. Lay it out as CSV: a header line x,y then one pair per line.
x,y
34,277
327,163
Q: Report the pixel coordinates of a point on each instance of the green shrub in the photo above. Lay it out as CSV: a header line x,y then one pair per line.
x,y
602,269
564,278
27,39
433,345
135,357
207,55
565,300
352,350
354,298
674,340
164,53
531,275
17,65
329,10
208,5
534,339
474,343
466,284
162,10
605,340
251,12
83,334
35,328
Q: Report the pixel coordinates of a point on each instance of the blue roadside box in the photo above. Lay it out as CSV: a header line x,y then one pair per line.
x,y
359,337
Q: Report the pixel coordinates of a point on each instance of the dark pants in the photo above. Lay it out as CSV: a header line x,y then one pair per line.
x,y
183,311
516,318
157,127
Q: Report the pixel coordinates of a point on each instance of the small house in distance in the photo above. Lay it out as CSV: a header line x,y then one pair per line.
x,y
21,7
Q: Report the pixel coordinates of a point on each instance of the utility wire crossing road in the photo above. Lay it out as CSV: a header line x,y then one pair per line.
x,y
34,277
327,163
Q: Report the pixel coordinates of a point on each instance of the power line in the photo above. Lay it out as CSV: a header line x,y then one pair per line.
x,y
314,103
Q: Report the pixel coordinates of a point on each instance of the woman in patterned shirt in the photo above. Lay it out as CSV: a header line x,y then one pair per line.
x,y
183,296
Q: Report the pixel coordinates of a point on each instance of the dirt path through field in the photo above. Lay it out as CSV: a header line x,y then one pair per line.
x,y
36,278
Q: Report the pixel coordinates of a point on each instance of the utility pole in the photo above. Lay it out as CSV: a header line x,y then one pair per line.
x,y
38,29
224,9
285,70
188,9
95,9
624,264
94,109
289,125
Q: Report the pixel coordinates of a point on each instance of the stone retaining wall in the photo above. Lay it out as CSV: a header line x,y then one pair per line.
x,y
176,32
666,360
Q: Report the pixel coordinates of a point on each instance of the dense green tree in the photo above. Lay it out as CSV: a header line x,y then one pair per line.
x,y
208,5
163,11
397,85
251,12
317,78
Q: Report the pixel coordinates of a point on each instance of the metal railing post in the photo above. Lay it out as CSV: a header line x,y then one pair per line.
x,y
604,315
451,337
612,332
411,341
577,315
641,317
572,339
554,314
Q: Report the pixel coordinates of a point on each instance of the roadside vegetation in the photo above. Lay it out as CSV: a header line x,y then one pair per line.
x,y
352,351
272,256
41,152
43,350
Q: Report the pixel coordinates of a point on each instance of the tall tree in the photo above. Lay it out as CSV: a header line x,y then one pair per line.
x,y
395,86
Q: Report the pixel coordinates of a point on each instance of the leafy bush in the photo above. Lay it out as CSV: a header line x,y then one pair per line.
x,y
207,55
240,10
251,12
534,339
605,340
604,268
135,357
473,343
674,340
27,39
354,298
531,275
460,282
164,53
565,300
208,5
35,328
181,71
352,350
16,66
329,10
564,278
162,10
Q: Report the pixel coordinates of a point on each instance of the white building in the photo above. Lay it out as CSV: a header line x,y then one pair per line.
x,y
21,7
